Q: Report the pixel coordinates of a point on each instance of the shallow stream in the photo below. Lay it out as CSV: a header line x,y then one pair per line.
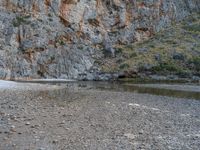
x,y
175,89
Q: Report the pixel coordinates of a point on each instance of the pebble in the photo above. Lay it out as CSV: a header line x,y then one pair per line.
x,y
129,135
6,132
27,123
12,128
141,132
79,123
55,141
5,138
64,115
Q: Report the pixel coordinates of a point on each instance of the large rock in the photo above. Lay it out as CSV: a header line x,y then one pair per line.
x,y
62,38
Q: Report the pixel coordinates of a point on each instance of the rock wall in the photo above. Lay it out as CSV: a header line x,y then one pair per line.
x,y
62,38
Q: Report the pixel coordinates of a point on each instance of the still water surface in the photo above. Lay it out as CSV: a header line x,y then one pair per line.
x,y
174,91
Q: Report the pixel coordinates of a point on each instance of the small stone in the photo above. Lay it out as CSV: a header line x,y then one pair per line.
x,y
6,132
5,138
27,123
12,128
129,135
64,115
140,132
63,122
13,117
55,141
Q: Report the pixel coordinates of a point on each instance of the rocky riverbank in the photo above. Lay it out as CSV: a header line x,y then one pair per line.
x,y
78,117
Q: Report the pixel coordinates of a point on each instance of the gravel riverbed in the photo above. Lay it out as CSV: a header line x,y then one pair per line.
x,y
78,118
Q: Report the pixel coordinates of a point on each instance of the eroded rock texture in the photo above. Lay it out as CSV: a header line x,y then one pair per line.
x,y
62,38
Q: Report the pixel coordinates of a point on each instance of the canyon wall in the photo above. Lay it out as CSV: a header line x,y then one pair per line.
x,y
62,38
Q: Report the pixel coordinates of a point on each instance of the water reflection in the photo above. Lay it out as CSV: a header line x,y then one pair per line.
x,y
115,86
144,90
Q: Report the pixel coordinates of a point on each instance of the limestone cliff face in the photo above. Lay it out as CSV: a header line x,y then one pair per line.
x,y
62,38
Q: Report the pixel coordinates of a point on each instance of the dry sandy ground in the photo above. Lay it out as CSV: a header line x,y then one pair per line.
x,y
46,117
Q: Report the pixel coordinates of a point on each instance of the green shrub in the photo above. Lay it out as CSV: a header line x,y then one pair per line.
x,y
118,50
62,42
166,67
193,28
184,73
195,62
134,54
124,66
19,20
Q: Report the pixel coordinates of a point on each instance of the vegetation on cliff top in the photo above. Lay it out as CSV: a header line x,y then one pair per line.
x,y
174,51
